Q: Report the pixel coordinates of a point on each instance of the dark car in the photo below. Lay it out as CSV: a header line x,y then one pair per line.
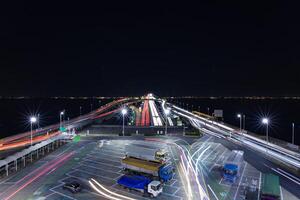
x,y
73,187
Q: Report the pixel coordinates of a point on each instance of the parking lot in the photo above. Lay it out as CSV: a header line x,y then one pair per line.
x,y
102,163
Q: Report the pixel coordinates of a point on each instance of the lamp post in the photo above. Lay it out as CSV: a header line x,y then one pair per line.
x,y
244,122
266,122
124,112
38,121
293,133
167,112
32,120
60,118
80,110
240,117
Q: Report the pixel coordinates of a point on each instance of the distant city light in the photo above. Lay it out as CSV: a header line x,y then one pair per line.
x,y
239,115
62,113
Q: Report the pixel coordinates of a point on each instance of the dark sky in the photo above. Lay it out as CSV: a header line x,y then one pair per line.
x,y
76,49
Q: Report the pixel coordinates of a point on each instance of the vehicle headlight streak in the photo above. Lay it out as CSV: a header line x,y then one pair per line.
x,y
184,171
93,181
277,152
189,163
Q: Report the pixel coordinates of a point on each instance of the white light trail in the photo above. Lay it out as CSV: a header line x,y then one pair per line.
x,y
113,193
121,197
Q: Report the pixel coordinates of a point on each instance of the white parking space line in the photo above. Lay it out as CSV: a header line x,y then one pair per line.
x,y
106,170
212,192
206,156
240,181
50,194
100,163
259,185
64,195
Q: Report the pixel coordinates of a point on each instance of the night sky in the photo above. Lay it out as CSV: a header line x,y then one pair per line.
x,y
215,49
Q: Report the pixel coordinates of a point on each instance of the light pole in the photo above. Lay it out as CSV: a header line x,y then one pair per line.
x,y
38,121
80,110
124,112
32,120
293,133
208,110
60,118
266,121
240,117
244,122
167,112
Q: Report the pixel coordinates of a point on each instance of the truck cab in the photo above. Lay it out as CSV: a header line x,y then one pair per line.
x,y
231,168
230,172
142,184
166,173
162,155
154,188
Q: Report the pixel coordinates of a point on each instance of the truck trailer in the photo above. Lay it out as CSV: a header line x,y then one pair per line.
x,y
164,172
270,187
232,165
146,153
141,183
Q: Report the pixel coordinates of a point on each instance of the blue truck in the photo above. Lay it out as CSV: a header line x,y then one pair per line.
x,y
232,165
141,183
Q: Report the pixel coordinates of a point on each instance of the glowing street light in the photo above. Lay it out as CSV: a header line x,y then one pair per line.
x,y
266,122
240,117
167,112
32,120
60,118
124,112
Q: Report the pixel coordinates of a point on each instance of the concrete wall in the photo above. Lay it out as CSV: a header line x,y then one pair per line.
x,y
109,129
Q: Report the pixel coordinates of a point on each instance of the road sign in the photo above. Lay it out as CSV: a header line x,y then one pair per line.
x,y
218,113
76,138
63,129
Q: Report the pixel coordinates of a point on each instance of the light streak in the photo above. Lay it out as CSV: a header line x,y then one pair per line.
x,y
102,193
41,173
113,193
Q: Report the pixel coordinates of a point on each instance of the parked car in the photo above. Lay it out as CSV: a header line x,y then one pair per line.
x,y
73,187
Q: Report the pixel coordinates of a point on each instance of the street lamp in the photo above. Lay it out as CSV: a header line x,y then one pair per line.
x,y
32,120
124,112
293,133
38,121
167,112
60,118
240,117
80,110
266,121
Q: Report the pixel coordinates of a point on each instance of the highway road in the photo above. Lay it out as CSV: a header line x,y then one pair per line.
x,y
23,139
290,182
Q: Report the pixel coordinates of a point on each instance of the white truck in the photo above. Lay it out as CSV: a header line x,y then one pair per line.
x,y
146,153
